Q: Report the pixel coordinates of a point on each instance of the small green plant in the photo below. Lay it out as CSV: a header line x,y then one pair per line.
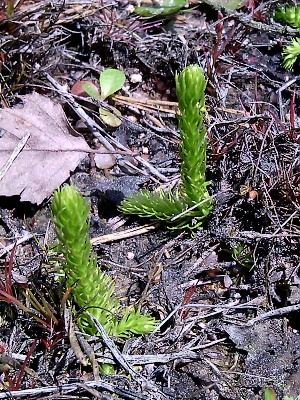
x,y
164,8
111,80
290,53
291,16
92,289
270,394
288,14
228,5
242,255
191,204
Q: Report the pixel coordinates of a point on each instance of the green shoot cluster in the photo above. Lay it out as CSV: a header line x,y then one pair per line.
x,y
92,289
175,208
291,16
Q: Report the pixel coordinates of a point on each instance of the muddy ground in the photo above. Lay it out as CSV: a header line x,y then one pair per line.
x,y
228,295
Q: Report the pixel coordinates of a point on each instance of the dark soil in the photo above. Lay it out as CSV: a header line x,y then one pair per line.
x,y
228,295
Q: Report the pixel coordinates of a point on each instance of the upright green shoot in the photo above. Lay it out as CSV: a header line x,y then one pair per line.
x,y
174,208
290,15
92,289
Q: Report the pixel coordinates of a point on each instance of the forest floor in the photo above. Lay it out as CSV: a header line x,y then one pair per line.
x,y
227,297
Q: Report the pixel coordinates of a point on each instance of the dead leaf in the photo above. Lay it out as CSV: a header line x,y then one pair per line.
x,y
78,90
49,154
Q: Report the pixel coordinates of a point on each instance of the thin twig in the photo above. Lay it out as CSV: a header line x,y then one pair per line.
x,y
73,387
112,237
145,384
95,129
8,248
273,313
219,307
186,355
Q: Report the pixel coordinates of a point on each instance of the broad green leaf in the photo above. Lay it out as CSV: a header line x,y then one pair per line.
x,y
109,118
270,394
90,91
165,7
111,80
228,5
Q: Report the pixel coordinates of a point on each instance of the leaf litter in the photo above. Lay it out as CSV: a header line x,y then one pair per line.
x,y
50,153
213,342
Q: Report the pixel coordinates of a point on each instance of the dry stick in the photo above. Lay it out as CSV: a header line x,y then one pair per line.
x,y
8,248
261,150
195,206
257,235
145,359
89,352
286,221
95,129
111,237
145,384
272,28
14,155
280,90
219,307
154,103
51,390
132,100
73,339
273,313
94,392
252,304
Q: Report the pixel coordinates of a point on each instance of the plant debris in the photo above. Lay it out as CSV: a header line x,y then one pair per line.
x,y
227,298
49,153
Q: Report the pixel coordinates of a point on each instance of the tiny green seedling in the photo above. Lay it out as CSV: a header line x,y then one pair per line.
x,y
111,80
291,53
242,255
270,394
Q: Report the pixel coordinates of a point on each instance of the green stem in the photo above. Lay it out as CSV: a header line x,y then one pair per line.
x,y
190,88
92,289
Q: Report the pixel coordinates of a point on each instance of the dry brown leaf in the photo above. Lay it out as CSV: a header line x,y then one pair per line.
x,y
47,157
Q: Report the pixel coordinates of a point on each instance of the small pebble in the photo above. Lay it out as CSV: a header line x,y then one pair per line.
x,y
136,78
130,255
103,161
252,194
227,281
